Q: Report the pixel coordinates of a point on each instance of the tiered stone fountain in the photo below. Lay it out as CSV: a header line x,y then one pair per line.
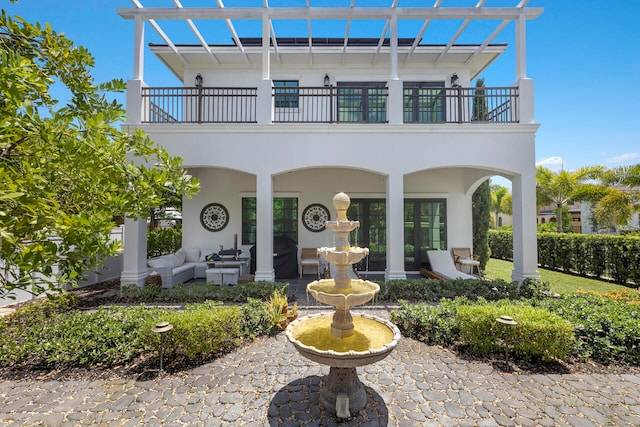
x,y
343,340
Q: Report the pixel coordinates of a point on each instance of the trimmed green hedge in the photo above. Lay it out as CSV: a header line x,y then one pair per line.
x,y
54,334
584,327
608,330
602,256
432,290
538,334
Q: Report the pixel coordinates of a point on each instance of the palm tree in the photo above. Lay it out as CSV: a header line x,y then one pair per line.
x,y
562,188
498,193
621,200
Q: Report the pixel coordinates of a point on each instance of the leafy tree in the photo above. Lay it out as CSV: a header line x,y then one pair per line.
x,y
498,194
66,169
480,109
622,197
559,189
481,206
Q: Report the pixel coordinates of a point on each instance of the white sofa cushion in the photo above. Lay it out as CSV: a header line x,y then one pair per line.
x,y
192,254
182,267
181,255
157,262
173,260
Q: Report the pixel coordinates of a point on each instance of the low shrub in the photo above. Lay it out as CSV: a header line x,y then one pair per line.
x,y
431,290
200,331
429,323
255,321
72,338
539,334
607,330
200,292
53,335
473,325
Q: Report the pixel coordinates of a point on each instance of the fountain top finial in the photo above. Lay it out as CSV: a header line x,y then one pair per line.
x,y
341,203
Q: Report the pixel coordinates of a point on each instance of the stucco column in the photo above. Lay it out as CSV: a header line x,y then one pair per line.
x,y
264,228
134,102
525,245
264,99
395,228
395,108
525,101
134,269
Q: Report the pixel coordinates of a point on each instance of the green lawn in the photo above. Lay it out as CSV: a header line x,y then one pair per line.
x,y
559,282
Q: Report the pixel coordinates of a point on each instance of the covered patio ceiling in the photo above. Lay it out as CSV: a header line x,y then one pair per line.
x,y
205,25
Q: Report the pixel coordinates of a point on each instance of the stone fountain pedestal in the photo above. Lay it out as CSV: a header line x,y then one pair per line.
x,y
342,340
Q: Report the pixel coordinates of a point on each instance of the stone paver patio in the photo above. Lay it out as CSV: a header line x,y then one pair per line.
x,y
268,384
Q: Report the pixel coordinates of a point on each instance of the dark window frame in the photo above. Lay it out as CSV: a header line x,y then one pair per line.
x,y
415,93
347,92
287,93
286,221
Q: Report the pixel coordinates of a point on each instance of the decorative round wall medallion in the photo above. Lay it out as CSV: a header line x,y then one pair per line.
x,y
314,217
214,217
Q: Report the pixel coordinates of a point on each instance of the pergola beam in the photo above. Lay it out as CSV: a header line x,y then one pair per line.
x,y
161,33
384,33
416,41
331,13
346,35
457,34
232,30
265,4
196,32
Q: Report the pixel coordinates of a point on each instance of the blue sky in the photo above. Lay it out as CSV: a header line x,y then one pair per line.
x,y
584,57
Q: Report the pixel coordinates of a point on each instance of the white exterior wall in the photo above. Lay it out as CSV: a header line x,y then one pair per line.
x,y
313,162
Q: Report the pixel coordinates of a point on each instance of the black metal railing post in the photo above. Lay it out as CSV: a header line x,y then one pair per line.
x,y
459,96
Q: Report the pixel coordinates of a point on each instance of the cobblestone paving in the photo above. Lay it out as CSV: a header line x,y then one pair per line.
x,y
268,384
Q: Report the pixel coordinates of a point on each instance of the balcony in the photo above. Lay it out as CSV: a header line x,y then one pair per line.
x,y
341,104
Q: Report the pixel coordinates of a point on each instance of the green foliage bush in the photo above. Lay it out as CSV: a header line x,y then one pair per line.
x,y
539,333
602,256
432,290
162,241
53,334
594,327
608,330
429,323
201,292
32,336
200,331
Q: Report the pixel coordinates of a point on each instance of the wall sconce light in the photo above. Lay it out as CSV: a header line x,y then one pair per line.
x,y
454,80
327,80
199,80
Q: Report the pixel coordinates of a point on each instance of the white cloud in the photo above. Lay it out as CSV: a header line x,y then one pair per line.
x,y
622,158
554,163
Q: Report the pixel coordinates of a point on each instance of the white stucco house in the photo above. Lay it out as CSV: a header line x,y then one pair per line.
x,y
274,126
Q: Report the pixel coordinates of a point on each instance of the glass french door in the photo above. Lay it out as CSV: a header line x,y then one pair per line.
x,y
424,229
372,233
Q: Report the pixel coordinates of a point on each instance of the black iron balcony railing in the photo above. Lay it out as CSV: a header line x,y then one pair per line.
x,y
199,105
342,104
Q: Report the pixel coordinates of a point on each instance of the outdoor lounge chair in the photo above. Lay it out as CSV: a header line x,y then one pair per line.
x,y
443,267
466,261
309,258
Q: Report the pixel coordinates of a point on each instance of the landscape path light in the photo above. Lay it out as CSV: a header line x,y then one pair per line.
x,y
161,329
506,321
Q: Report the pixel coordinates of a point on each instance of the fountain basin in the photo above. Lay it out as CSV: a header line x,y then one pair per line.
x,y
373,340
344,257
357,293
